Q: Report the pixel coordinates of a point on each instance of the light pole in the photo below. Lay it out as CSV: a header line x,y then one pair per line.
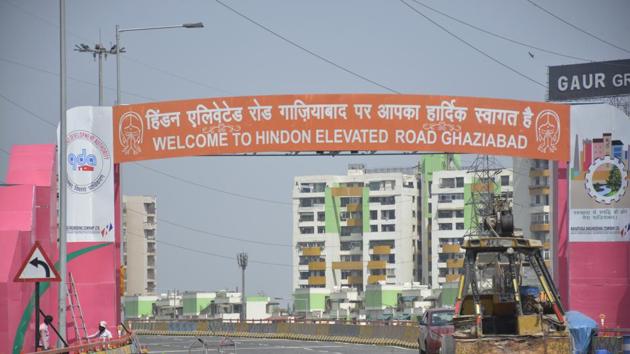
x,y
122,50
63,250
101,52
242,262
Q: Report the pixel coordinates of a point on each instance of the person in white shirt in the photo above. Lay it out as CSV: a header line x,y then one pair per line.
x,y
44,334
103,333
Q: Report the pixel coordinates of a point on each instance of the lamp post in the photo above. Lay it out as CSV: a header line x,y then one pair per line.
x,y
101,52
242,262
121,50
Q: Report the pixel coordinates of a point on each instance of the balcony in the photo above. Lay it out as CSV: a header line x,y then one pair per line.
x,y
441,264
347,191
383,249
450,248
482,187
149,225
351,265
539,172
454,263
539,189
373,279
355,280
317,281
354,222
547,245
317,266
452,277
377,265
354,207
311,251
539,227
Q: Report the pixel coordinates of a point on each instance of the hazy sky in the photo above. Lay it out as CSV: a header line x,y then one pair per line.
x,y
384,41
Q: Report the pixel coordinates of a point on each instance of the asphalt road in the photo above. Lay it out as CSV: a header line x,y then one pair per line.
x,y
165,344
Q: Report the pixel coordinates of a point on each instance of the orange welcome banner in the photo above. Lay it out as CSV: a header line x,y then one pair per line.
x,y
341,122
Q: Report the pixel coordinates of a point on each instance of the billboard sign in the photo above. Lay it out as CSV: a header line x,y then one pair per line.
x,y
589,80
599,172
90,165
340,122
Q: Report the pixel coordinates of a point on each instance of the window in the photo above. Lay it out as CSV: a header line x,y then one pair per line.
x,y
459,182
408,184
505,180
388,214
321,216
307,230
388,228
321,230
309,202
373,228
546,199
350,200
447,183
307,217
373,215
459,213
350,230
459,226
445,226
391,259
445,213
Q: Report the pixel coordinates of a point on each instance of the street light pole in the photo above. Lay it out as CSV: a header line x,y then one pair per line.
x,y
63,250
133,29
242,262
101,52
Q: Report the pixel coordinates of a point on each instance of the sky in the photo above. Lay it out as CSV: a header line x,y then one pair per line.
x,y
359,46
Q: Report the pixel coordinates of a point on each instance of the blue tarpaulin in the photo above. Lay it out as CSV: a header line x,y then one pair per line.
x,y
582,329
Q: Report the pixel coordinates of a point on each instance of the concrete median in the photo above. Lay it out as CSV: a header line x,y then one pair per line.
x,y
365,333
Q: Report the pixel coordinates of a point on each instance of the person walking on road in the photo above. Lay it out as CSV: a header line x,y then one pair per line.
x,y
103,333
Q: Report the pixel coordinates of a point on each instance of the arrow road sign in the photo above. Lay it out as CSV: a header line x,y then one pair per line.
x,y
37,267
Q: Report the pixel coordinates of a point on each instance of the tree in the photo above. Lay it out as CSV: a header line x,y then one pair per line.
x,y
614,179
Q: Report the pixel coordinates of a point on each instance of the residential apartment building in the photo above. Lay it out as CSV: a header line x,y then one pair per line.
x,y
536,196
453,216
353,230
139,251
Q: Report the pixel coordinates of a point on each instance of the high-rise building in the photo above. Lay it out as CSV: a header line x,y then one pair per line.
x,y
139,244
534,192
355,229
452,217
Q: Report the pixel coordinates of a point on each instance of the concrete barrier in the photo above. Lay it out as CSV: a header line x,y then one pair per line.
x,y
365,333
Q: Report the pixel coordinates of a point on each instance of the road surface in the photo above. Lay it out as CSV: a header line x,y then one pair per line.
x,y
166,344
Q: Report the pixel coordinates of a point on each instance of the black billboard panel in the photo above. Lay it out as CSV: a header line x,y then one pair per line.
x,y
589,80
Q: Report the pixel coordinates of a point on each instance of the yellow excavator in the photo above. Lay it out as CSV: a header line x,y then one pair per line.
x,y
506,301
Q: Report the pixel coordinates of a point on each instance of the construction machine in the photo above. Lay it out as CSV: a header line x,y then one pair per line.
x,y
506,301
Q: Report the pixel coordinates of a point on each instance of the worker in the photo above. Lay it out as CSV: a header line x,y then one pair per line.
x,y
103,333
44,334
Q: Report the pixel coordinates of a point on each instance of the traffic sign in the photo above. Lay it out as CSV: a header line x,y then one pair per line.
x,y
37,267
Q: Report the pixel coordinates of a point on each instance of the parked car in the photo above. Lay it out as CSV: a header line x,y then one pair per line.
x,y
434,324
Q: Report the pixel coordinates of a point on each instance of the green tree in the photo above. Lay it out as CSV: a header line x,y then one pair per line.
x,y
614,179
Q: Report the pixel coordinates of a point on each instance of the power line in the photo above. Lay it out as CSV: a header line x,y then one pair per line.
x,y
576,27
226,237
473,47
127,57
71,78
295,44
28,111
214,189
496,35
127,233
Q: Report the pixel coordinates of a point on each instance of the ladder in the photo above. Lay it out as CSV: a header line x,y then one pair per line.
x,y
75,306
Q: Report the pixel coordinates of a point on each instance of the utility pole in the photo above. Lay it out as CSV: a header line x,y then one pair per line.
x,y
63,250
100,52
242,262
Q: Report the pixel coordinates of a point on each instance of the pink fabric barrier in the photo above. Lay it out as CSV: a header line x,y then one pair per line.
x,y
28,212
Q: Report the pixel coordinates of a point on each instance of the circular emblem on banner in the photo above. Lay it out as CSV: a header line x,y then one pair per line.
x,y
606,180
88,161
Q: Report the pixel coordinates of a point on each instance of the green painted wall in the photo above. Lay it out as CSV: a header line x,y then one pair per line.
x,y
135,308
309,302
447,296
330,212
366,209
257,298
468,207
377,298
194,305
